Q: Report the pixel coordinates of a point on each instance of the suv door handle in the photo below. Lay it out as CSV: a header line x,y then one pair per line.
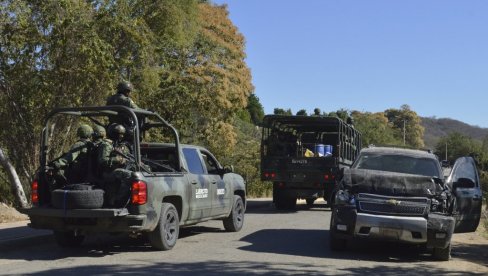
x,y
214,181
194,182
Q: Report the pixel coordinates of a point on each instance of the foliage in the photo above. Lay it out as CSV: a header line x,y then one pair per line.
x,y
246,158
375,128
407,124
185,58
255,109
440,127
457,145
281,111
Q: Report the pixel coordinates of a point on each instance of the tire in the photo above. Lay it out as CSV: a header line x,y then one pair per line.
x,y
68,239
442,254
235,221
335,243
283,202
78,187
165,235
77,199
310,201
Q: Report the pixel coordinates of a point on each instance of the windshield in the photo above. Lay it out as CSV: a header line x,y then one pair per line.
x,y
398,163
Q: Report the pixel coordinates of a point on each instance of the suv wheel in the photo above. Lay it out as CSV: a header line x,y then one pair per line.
x,y
335,243
165,235
442,254
235,221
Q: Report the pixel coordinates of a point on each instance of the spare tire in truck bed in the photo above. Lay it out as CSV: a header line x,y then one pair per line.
x,y
77,199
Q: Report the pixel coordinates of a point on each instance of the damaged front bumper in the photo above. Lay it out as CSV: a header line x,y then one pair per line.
x,y
434,231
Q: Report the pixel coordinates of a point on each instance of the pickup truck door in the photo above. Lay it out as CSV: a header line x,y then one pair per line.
x,y
464,181
200,202
220,190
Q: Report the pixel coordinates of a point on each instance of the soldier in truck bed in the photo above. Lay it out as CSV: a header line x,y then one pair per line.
x,y
114,165
122,97
70,166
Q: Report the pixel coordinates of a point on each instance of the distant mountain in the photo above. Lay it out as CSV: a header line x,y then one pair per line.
x,y
437,128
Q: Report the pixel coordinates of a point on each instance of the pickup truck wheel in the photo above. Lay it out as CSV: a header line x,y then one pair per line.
x,y
442,254
68,239
283,202
310,201
165,235
235,221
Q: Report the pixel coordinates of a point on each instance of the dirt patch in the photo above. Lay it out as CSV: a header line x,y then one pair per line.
x,y
9,214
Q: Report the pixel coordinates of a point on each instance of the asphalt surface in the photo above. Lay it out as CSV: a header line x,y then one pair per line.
x,y
271,243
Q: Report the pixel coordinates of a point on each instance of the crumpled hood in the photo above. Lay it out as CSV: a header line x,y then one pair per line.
x,y
389,183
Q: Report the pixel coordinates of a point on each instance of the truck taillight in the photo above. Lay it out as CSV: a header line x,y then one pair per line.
x,y
139,193
269,175
329,176
34,192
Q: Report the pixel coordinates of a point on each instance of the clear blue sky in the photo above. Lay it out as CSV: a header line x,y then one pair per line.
x,y
368,55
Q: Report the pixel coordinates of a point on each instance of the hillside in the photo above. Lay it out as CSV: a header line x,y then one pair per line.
x,y
437,128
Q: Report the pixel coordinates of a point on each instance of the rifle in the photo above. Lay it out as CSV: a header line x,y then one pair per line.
x,y
132,159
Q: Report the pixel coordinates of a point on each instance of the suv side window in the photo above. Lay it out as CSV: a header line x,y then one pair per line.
x,y
210,163
193,160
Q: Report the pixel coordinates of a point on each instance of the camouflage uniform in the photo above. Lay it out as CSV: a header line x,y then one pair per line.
x,y
71,166
122,98
115,172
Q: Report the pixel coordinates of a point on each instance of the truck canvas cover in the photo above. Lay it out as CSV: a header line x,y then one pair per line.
x,y
389,183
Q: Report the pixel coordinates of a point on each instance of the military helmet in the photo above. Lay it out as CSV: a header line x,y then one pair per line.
x,y
116,131
99,132
84,131
124,86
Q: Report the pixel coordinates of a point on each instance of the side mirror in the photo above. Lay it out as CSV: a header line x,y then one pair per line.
x,y
463,183
228,169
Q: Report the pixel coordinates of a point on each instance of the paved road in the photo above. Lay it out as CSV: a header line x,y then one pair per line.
x,y
271,243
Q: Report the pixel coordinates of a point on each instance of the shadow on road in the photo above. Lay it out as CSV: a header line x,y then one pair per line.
x,y
470,252
95,246
315,244
245,268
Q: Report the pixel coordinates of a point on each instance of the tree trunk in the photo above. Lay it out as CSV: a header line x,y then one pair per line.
x,y
17,188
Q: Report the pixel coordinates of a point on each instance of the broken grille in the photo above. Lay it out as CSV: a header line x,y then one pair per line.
x,y
404,206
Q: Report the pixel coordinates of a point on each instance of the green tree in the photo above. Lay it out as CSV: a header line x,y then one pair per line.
x,y
302,112
255,109
281,111
72,53
457,145
406,122
375,128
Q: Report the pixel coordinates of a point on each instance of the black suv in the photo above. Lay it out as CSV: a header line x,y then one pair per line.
x,y
399,194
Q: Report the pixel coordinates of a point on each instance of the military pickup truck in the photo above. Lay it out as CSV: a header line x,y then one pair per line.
x,y
171,184
302,155
396,194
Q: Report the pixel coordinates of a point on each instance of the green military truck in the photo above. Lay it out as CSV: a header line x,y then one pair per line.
x,y
302,155
170,184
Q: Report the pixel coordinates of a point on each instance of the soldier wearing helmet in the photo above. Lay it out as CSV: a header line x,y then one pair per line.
x,y
112,160
122,97
70,166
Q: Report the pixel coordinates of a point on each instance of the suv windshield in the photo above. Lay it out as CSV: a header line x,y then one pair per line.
x,y
398,163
